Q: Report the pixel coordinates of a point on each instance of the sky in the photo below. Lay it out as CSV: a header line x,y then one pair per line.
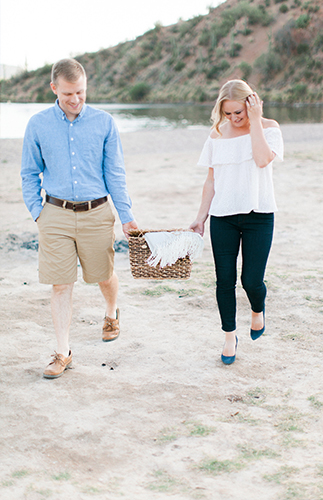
x,y
38,32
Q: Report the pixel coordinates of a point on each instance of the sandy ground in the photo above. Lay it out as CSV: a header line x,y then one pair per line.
x,y
156,414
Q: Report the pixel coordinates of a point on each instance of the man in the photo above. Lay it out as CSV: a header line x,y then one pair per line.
x,y
73,152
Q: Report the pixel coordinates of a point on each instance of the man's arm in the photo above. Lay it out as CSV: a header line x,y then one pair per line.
x,y
115,175
32,166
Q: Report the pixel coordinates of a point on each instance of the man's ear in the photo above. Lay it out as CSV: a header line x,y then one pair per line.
x,y
53,87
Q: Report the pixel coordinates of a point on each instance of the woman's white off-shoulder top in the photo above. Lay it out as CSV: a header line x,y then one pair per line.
x,y
240,186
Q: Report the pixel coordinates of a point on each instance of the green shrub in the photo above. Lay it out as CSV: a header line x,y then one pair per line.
x,y
139,91
45,70
303,48
184,28
186,51
302,21
195,20
165,78
220,52
318,79
257,15
131,62
121,83
298,91
145,61
269,64
235,49
44,95
254,14
310,8
308,74
179,66
318,42
205,37
284,41
246,70
220,30
188,26
200,95
283,8
191,73
158,26
217,69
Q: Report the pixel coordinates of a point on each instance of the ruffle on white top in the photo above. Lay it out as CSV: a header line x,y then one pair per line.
x,y
240,186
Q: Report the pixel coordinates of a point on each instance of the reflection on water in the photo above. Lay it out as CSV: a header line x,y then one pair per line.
x,y
186,115
301,114
14,117
178,115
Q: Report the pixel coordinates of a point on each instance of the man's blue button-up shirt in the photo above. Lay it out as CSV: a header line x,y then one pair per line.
x,y
76,161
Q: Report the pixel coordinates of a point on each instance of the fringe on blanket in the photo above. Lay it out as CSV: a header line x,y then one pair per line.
x,y
167,247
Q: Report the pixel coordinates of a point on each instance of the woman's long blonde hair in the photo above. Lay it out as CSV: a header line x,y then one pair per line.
x,y
233,90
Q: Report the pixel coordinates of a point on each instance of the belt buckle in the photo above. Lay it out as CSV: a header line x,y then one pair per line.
x,y
74,207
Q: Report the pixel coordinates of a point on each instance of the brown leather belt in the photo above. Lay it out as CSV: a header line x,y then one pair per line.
x,y
76,207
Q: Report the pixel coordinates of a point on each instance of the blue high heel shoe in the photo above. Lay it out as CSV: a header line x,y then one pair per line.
x,y
228,360
255,334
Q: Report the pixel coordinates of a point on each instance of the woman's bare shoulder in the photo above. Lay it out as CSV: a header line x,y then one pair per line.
x,y
267,123
214,134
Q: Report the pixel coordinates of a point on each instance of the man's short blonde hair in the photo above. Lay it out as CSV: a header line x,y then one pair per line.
x,y
68,69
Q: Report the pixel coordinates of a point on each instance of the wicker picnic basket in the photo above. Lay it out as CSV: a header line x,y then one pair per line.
x,y
139,252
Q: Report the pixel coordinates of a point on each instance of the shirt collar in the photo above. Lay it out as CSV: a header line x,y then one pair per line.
x,y
62,115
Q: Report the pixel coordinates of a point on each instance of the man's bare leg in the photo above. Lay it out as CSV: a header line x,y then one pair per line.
x,y
109,290
111,326
61,305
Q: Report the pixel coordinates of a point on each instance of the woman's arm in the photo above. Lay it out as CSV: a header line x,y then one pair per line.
x,y
207,197
262,154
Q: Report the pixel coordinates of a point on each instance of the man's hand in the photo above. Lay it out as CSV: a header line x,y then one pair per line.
x,y
129,226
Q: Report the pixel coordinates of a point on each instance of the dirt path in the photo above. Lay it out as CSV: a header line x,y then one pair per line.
x,y
156,414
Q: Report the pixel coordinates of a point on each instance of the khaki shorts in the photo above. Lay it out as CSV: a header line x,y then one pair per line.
x,y
65,236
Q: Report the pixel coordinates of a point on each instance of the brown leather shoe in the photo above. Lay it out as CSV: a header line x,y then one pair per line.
x,y
111,328
57,367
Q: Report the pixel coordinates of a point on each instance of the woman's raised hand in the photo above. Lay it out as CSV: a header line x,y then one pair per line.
x,y
254,106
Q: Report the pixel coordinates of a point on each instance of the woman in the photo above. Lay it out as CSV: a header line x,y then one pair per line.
x,y
238,194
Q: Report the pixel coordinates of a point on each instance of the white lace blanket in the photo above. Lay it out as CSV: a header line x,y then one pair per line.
x,y
167,247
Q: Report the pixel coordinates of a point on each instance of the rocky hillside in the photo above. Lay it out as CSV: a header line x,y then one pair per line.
x,y
276,45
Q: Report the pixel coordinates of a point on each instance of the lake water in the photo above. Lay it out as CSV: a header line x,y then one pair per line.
x,y
14,117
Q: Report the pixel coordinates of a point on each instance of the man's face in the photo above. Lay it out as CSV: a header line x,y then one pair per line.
x,y
71,95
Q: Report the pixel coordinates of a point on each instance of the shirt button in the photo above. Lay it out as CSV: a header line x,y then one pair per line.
x,y
72,139
75,182
76,196
74,168
71,125
73,153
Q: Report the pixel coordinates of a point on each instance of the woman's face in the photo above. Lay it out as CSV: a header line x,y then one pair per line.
x,y
236,113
